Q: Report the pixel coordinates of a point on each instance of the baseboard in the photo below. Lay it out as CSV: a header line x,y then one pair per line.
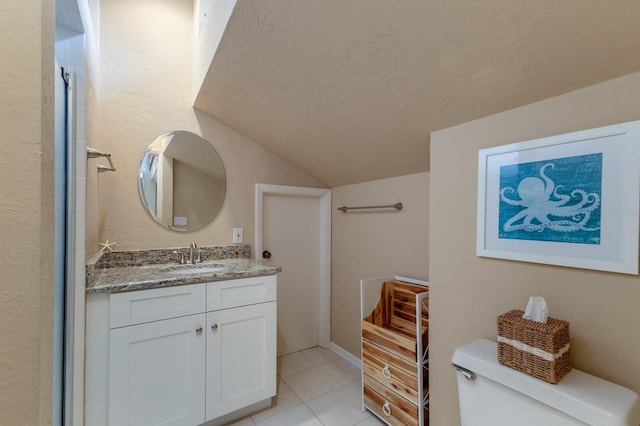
x,y
346,355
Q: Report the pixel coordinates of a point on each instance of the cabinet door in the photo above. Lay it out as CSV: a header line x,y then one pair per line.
x,y
241,357
156,373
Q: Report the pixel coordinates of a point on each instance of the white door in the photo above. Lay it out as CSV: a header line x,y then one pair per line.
x,y
293,224
290,235
241,357
157,373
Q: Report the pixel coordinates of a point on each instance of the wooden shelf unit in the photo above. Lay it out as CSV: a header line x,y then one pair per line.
x,y
395,349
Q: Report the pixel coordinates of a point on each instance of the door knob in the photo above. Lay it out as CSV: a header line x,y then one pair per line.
x,y
266,254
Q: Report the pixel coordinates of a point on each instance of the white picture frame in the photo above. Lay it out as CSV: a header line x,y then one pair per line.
x,y
568,200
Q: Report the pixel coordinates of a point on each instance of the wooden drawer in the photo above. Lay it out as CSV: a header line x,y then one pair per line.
x,y
394,350
392,323
138,307
387,404
242,292
403,345
390,370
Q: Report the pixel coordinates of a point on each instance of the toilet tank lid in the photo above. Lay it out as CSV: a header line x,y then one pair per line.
x,y
580,395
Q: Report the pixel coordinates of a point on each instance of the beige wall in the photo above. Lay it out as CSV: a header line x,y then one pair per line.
x,y
145,91
26,210
468,292
375,243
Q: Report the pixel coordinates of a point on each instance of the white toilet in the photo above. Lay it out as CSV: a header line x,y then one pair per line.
x,y
494,395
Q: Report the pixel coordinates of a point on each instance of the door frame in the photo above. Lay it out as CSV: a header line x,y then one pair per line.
x,y
324,245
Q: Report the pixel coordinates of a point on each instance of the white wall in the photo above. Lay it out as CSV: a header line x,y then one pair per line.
x,y
375,243
211,18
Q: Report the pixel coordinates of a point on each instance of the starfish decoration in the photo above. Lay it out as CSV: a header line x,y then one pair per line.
x,y
107,245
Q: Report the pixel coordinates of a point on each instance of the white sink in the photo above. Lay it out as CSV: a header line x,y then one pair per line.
x,y
198,270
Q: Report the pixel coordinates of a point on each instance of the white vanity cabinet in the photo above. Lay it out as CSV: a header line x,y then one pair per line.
x,y
241,344
182,355
241,357
157,373
157,356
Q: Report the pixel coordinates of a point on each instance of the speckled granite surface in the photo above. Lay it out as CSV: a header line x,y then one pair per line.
x,y
118,271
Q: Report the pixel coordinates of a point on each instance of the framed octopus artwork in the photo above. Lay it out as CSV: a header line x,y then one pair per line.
x,y
570,200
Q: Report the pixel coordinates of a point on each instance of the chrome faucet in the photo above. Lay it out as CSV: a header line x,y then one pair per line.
x,y
193,247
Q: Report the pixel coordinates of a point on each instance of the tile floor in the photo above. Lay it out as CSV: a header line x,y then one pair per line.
x,y
315,387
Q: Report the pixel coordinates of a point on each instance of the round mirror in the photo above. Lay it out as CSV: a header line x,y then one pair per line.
x,y
181,181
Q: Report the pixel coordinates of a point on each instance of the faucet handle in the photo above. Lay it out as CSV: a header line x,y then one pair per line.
x,y
181,256
198,259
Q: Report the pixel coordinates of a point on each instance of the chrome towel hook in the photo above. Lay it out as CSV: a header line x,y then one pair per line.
x,y
94,153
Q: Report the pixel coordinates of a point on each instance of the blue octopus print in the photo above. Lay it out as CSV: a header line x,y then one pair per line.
x,y
555,200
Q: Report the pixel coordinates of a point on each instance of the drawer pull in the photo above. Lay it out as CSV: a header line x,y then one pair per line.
x,y
385,372
199,330
214,327
386,409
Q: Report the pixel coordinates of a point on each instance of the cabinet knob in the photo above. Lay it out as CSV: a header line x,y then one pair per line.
x,y
199,330
385,372
214,327
386,409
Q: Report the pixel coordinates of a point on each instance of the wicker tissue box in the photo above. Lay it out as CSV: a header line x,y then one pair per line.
x,y
538,349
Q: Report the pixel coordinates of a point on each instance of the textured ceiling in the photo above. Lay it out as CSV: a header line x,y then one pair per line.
x,y
350,90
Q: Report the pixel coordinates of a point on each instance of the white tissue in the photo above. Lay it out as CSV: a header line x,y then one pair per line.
x,y
536,310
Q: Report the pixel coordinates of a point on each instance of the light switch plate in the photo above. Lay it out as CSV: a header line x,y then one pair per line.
x,y
179,221
237,235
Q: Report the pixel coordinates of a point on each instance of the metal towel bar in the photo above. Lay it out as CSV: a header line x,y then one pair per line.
x,y
397,206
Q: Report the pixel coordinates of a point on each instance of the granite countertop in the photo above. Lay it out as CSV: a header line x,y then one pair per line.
x,y
116,272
